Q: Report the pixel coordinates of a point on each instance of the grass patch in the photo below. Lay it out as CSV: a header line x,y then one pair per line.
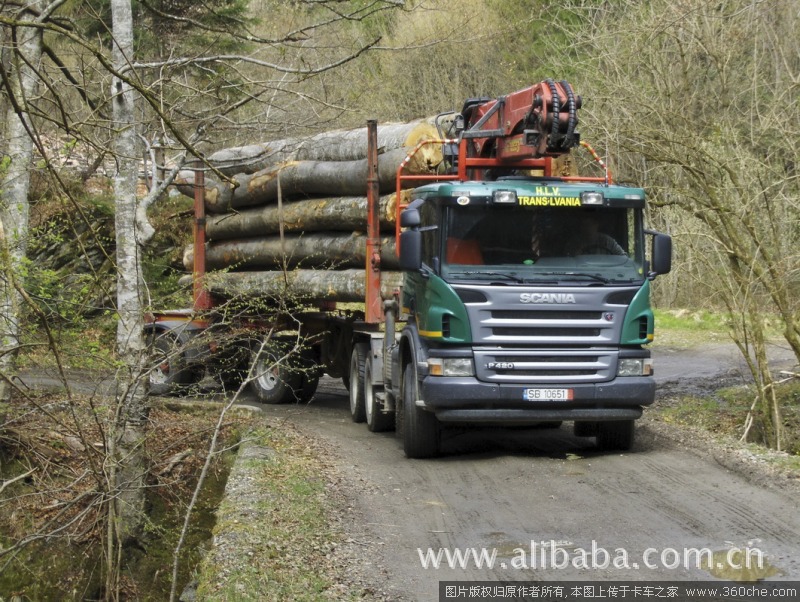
x,y
691,328
685,328
723,416
274,533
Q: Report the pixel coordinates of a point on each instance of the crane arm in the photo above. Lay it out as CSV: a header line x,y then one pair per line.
x,y
538,121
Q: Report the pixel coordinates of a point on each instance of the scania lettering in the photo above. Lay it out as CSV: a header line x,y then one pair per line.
x,y
547,298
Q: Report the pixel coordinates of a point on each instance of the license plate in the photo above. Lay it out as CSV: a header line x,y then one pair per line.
x,y
547,394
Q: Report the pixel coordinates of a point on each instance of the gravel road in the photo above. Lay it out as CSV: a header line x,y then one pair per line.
x,y
514,492
533,497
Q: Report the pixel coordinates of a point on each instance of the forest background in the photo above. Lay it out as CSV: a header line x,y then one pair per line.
x,y
695,100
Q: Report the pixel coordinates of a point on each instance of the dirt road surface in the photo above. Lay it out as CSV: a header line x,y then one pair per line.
x,y
527,499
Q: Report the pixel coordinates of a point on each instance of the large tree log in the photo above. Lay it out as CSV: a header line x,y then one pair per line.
x,y
343,214
302,179
337,145
320,250
310,285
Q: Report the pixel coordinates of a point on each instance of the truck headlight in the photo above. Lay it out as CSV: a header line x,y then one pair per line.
x,y
508,197
451,366
592,198
635,366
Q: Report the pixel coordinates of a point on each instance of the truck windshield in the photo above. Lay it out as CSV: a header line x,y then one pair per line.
x,y
524,244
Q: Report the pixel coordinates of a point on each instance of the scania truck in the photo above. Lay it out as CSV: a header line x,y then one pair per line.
x,y
525,297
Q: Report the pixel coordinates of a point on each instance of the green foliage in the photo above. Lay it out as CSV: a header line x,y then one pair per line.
x,y
724,414
537,33
162,25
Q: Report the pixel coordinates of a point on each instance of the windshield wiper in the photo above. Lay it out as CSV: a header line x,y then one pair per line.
x,y
481,273
576,275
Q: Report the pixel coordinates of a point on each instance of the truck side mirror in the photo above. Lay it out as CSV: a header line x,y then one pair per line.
x,y
411,239
662,253
411,250
409,217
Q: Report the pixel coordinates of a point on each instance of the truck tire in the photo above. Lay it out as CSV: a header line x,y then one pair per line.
x,y
272,381
309,377
358,361
169,373
585,429
420,428
235,365
615,435
378,421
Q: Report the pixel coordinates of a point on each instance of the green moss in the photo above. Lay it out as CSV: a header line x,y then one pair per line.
x,y
274,535
153,569
70,566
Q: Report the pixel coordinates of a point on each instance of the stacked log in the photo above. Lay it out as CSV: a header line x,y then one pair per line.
x,y
317,250
293,218
335,145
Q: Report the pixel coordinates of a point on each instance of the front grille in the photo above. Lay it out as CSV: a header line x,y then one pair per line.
x,y
545,359
569,335
527,314
540,373
544,367
522,331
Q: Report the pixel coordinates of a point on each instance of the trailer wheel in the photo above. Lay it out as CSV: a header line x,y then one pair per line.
x,y
377,420
615,435
358,361
420,428
169,372
274,381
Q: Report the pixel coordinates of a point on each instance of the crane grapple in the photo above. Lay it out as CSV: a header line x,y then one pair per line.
x,y
538,121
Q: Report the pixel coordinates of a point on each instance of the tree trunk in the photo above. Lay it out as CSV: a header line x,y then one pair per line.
x,y
14,210
127,511
302,179
307,285
339,145
342,214
310,251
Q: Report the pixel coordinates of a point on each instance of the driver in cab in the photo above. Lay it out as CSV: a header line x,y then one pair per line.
x,y
589,240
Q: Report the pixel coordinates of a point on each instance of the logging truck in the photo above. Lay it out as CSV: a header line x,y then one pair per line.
x,y
516,292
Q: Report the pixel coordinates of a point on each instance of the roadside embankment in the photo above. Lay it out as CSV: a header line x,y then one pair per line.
x,y
281,530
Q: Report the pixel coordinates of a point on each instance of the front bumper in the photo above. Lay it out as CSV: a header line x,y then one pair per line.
x,y
467,400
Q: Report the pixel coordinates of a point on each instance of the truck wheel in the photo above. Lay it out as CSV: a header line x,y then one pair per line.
x,y
377,420
615,435
235,364
308,387
309,377
420,428
585,429
273,381
169,372
358,361
552,424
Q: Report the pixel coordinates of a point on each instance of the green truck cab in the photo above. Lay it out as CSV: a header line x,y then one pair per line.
x,y
526,302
